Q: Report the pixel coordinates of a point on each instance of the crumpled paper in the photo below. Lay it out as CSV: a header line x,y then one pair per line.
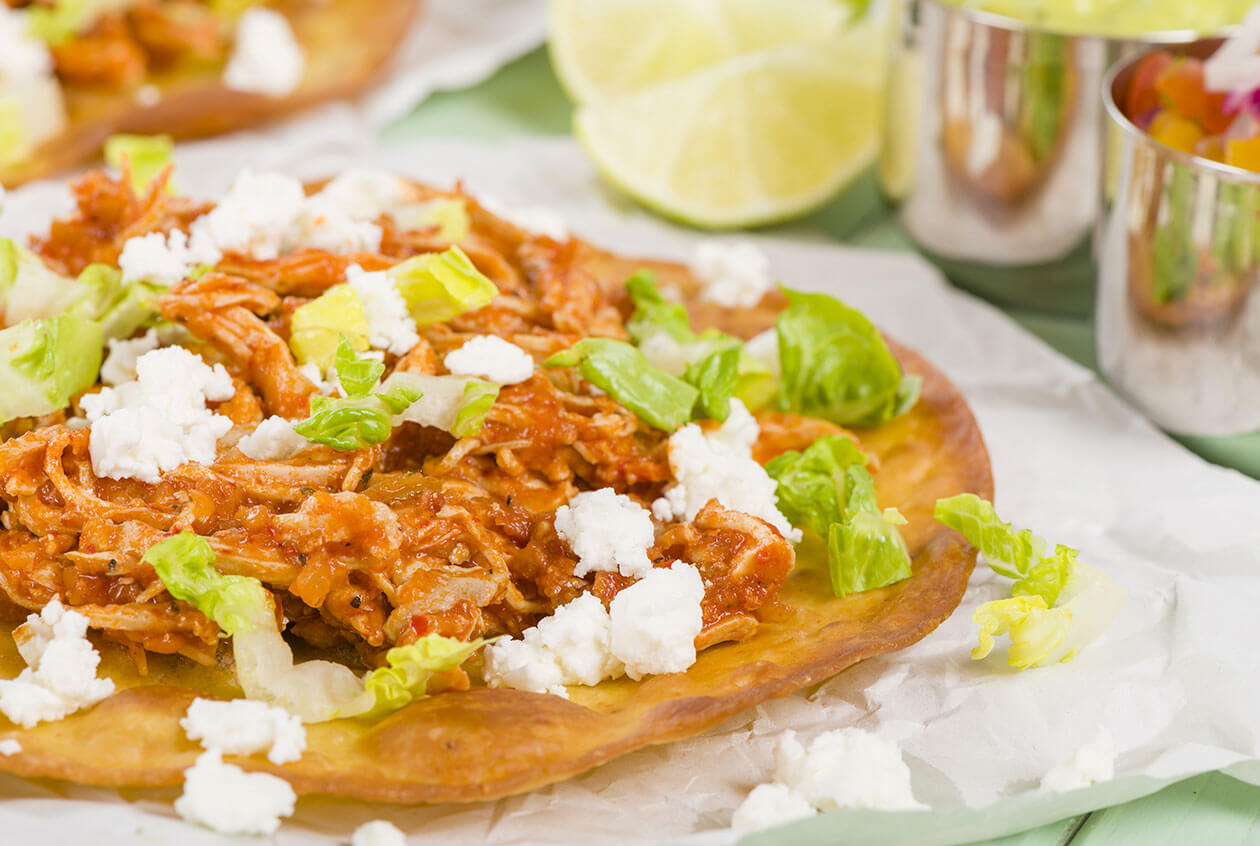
x,y
453,44
1175,680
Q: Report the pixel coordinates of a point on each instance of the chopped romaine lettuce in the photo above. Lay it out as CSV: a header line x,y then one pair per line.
x,y
828,489
454,404
835,365
185,564
31,290
43,363
346,424
442,286
357,376
408,672
147,155
663,333
363,418
653,313
317,328
715,377
625,374
449,214
1058,604
315,691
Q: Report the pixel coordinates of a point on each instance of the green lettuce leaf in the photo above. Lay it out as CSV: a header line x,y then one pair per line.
x,y
454,404
715,377
362,418
407,673
357,375
625,374
828,489
43,363
185,564
31,290
1018,555
314,690
148,156
653,313
1058,604
317,328
442,286
347,424
448,214
835,365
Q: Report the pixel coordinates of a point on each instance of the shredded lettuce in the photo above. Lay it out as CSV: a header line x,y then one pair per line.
x,y
1058,604
625,374
314,690
43,363
449,214
363,418
835,365
408,671
653,313
357,376
185,564
148,156
716,363
317,328
828,489
442,286
715,377
31,290
454,404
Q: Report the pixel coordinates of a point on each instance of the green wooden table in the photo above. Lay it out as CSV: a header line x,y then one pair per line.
x,y
524,99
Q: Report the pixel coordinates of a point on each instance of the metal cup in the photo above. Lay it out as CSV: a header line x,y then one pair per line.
x,y
993,150
1177,327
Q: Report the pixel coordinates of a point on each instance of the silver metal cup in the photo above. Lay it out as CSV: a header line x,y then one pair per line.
x,y
992,150
1177,326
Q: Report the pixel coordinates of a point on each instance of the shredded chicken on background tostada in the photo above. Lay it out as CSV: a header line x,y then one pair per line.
x,y
371,414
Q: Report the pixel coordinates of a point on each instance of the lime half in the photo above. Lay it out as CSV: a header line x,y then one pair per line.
x,y
763,137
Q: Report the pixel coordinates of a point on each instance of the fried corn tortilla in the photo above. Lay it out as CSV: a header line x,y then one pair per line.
x,y
347,43
485,743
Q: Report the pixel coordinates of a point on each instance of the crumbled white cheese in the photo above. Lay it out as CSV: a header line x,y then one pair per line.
x,y
10,746
671,355
654,622
244,727
254,216
143,428
769,805
366,194
1092,763
536,219
734,274
572,646
60,676
846,768
491,357
607,531
164,260
22,55
719,465
266,56
329,387
226,799
120,362
390,324
324,225
378,833
273,440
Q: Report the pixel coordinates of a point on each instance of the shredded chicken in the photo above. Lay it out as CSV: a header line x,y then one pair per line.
x,y
425,533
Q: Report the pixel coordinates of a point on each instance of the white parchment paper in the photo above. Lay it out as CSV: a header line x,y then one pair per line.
x,y
454,44
1176,680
